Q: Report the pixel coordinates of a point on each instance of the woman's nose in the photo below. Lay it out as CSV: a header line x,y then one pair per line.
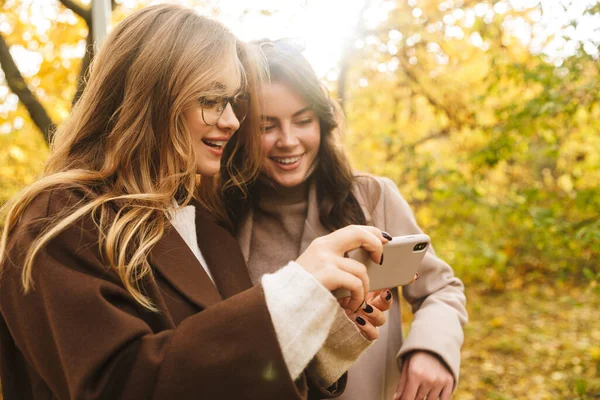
x,y
287,138
228,120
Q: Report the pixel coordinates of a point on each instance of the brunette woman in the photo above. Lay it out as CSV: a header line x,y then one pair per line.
x,y
307,190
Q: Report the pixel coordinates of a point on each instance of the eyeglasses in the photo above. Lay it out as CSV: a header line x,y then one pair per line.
x,y
214,107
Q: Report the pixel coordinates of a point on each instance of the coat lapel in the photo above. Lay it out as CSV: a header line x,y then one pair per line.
x,y
174,260
364,202
222,254
244,234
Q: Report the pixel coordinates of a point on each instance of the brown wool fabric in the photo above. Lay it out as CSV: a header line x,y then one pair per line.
x,y
80,334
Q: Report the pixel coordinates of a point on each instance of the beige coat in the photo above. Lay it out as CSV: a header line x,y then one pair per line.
x,y
437,298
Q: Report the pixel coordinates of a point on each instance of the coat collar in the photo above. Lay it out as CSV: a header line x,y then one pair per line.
x,y
176,262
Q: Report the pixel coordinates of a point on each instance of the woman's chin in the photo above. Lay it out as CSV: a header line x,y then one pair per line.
x,y
288,181
206,172
207,168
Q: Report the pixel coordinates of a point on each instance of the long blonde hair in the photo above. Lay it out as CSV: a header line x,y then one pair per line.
x,y
126,145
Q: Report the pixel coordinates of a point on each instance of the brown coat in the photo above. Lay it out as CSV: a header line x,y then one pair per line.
x,y
80,335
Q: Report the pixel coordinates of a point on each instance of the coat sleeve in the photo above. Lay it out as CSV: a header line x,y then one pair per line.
x,y
317,390
437,298
87,338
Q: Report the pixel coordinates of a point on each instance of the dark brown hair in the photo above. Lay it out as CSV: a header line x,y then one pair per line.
x,y
334,178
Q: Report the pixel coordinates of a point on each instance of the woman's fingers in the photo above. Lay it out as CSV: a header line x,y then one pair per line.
x,y
374,294
434,393
375,304
446,392
402,383
343,302
372,315
426,377
357,269
325,260
383,237
383,301
410,391
337,272
350,275
423,393
367,329
355,236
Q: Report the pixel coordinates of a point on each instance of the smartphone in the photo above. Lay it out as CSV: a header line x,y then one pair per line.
x,y
402,257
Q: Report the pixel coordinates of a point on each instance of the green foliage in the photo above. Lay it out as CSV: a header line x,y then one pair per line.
x,y
496,148
22,157
59,42
22,149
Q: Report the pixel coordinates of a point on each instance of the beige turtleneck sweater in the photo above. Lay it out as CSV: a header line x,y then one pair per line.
x,y
277,228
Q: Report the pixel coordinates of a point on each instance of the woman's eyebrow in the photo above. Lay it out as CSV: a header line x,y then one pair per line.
x,y
218,86
305,109
221,87
275,119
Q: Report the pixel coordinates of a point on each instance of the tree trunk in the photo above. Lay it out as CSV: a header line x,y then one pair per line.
x,y
18,86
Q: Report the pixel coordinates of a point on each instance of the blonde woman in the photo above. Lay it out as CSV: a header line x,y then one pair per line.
x,y
115,281
308,190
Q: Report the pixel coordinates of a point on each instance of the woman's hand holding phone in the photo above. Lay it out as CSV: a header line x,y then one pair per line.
x,y
324,260
371,315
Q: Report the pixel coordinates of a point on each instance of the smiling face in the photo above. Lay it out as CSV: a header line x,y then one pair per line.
x,y
291,137
209,140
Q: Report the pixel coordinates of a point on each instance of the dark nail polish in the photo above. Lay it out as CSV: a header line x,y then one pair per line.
x,y
360,321
368,308
381,261
388,295
386,235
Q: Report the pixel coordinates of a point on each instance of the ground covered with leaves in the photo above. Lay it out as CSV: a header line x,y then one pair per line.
x,y
538,342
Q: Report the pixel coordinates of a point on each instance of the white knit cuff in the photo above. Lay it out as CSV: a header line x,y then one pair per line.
x,y
302,311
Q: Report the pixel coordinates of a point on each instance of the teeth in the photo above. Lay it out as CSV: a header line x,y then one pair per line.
x,y
287,160
214,143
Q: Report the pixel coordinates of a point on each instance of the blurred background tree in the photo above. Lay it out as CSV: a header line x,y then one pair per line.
x,y
493,141
485,113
